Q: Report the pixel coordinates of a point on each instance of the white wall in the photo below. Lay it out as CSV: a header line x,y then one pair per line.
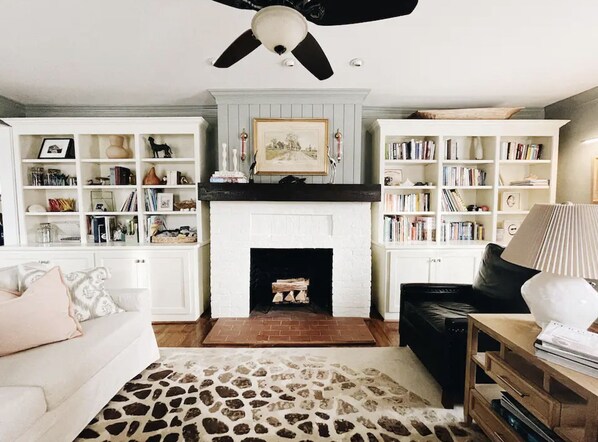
x,y
576,159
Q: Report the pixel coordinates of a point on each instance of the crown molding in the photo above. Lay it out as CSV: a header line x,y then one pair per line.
x,y
381,112
36,110
289,96
11,108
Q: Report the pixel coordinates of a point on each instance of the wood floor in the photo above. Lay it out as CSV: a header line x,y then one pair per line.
x,y
386,334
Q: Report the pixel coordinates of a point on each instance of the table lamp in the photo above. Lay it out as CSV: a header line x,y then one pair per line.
x,y
560,240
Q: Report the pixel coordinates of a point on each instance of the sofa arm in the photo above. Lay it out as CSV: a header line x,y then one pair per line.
x,y
132,300
418,292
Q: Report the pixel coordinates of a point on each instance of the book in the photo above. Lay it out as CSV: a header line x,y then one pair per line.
x,y
580,342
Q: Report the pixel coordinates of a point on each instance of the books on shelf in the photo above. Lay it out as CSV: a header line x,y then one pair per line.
x,y
154,225
399,228
411,150
102,228
461,231
452,201
151,199
451,150
120,176
463,176
130,204
570,347
530,182
510,150
412,202
228,177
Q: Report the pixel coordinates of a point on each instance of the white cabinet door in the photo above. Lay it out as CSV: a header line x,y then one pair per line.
x,y
167,275
456,267
406,267
124,267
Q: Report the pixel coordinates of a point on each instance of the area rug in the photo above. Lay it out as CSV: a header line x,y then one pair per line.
x,y
274,394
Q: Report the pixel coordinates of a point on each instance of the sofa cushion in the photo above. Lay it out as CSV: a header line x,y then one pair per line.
x,y
497,286
427,316
61,368
20,407
9,279
41,315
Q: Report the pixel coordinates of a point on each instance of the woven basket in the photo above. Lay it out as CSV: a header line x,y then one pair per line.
x,y
173,240
482,113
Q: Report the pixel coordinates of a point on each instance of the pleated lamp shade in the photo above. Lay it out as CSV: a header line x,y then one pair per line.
x,y
558,238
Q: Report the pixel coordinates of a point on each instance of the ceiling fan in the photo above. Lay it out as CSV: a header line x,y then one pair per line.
x,y
281,26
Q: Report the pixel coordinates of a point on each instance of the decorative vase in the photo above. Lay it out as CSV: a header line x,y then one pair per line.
x,y
478,151
116,149
570,301
151,179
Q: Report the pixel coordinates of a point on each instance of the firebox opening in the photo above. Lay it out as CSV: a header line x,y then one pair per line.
x,y
291,278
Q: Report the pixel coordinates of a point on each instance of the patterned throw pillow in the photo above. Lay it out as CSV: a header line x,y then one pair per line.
x,y
90,298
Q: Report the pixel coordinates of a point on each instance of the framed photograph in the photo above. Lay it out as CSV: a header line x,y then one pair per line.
x,y
102,201
57,148
510,228
165,202
291,146
393,177
510,201
595,182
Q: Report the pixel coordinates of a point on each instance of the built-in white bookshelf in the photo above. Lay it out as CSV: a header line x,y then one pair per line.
x,y
91,138
512,150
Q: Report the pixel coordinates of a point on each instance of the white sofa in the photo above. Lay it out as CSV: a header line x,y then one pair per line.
x,y
50,393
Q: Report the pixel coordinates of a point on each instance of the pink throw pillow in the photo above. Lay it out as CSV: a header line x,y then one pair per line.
x,y
41,315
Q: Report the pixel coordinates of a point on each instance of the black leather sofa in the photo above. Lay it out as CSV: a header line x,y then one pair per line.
x,y
433,317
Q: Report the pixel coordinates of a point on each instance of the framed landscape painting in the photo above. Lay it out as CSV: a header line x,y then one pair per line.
x,y
291,146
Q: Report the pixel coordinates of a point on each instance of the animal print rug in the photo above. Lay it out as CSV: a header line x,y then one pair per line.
x,y
307,394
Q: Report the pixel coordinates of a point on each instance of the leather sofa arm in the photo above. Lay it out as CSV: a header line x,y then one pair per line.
x,y
456,326
417,292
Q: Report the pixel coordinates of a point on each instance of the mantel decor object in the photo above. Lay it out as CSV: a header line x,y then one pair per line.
x,y
291,146
116,149
157,148
229,176
244,136
561,241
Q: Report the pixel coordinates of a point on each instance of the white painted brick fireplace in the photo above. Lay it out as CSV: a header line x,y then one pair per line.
x,y
239,226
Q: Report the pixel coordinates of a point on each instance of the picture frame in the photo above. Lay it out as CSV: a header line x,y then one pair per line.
x,y
57,148
595,182
510,201
165,202
510,228
286,146
393,177
102,201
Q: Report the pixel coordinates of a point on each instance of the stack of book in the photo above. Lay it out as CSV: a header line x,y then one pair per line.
x,y
463,176
461,231
228,177
102,228
173,178
404,228
451,150
518,151
120,176
530,182
569,346
452,201
522,421
412,202
411,150
130,204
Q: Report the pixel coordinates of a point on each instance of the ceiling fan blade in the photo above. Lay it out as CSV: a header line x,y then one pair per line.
x,y
341,12
242,46
241,4
310,54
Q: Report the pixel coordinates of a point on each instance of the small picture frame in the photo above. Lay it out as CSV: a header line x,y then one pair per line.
x,y
510,228
165,202
57,148
393,177
510,201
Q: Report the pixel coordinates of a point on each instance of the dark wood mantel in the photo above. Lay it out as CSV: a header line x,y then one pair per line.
x,y
289,192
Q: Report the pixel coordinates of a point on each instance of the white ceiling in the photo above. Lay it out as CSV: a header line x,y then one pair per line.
x,y
453,53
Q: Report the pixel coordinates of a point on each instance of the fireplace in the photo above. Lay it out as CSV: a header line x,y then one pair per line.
x,y
294,273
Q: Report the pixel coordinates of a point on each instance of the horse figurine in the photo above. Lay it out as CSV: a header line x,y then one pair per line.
x,y
160,147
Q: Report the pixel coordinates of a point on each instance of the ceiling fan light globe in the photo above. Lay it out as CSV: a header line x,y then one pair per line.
x,y
279,26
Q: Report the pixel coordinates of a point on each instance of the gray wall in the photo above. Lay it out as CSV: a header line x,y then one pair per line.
x,y
576,159
343,109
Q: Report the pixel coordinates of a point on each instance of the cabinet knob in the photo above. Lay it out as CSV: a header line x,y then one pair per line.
x,y
137,261
439,260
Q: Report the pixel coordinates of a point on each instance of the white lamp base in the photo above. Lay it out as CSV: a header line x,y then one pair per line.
x,y
570,301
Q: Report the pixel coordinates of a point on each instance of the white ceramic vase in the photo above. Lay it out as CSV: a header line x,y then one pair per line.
x,y
116,150
570,301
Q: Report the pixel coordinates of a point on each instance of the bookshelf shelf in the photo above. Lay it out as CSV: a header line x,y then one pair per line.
x,y
468,187
410,162
179,186
47,161
110,213
525,162
49,187
524,187
171,213
111,187
394,188
167,160
408,213
467,162
52,214
468,213
108,161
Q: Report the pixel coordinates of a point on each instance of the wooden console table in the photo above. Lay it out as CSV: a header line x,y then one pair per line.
x,y
563,399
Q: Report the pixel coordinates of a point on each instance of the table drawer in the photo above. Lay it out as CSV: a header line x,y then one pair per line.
x,y
492,424
536,400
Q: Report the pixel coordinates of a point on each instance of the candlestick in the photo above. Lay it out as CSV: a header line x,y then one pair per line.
x,y
224,157
339,143
235,161
243,137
